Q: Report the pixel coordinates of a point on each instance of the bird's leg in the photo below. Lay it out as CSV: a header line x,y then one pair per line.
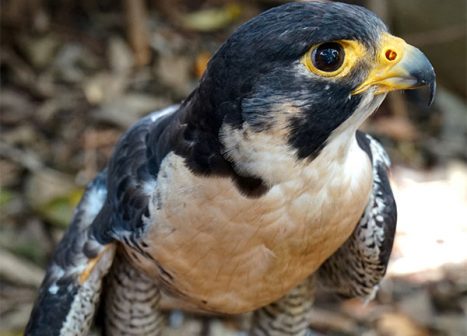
x,y
290,315
132,302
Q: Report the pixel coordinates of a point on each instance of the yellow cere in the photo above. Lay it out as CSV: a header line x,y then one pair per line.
x,y
354,51
391,49
390,52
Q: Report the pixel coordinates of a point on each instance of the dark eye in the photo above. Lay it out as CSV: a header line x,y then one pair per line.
x,y
328,57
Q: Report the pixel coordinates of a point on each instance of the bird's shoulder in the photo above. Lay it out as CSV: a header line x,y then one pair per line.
x,y
132,176
373,148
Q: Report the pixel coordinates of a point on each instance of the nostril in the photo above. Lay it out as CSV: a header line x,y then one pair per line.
x,y
391,55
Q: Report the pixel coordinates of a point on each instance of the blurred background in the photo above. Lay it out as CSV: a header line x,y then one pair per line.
x,y
75,74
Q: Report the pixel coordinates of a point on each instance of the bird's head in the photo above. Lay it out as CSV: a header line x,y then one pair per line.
x,y
292,79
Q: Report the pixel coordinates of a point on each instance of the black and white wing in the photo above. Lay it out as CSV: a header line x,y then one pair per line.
x,y
111,211
358,266
70,292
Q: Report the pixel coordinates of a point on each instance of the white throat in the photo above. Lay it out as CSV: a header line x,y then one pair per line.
x,y
267,155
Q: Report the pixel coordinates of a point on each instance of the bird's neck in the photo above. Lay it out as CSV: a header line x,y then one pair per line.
x,y
194,131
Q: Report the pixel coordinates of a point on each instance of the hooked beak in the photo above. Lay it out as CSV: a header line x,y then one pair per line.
x,y
399,66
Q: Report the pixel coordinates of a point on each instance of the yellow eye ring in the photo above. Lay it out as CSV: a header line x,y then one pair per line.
x,y
332,59
325,59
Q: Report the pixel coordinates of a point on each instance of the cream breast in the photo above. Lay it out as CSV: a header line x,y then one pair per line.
x,y
229,253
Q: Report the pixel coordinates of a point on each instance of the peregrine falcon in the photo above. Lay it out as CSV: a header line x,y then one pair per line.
x,y
252,192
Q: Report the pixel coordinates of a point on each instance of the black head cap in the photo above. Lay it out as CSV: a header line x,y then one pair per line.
x,y
280,36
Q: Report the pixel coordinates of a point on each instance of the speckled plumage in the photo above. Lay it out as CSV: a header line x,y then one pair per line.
x,y
132,301
254,190
65,305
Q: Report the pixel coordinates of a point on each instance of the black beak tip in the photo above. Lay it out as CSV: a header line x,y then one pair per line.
x,y
431,82
424,73
427,78
432,87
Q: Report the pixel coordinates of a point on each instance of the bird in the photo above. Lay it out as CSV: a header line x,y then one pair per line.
x,y
255,191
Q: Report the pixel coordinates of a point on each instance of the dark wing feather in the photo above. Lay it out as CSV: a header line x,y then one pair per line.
x,y
359,265
132,174
69,293
111,210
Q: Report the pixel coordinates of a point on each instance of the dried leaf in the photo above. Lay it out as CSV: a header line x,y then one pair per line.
x,y
53,195
207,20
201,63
19,271
395,324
